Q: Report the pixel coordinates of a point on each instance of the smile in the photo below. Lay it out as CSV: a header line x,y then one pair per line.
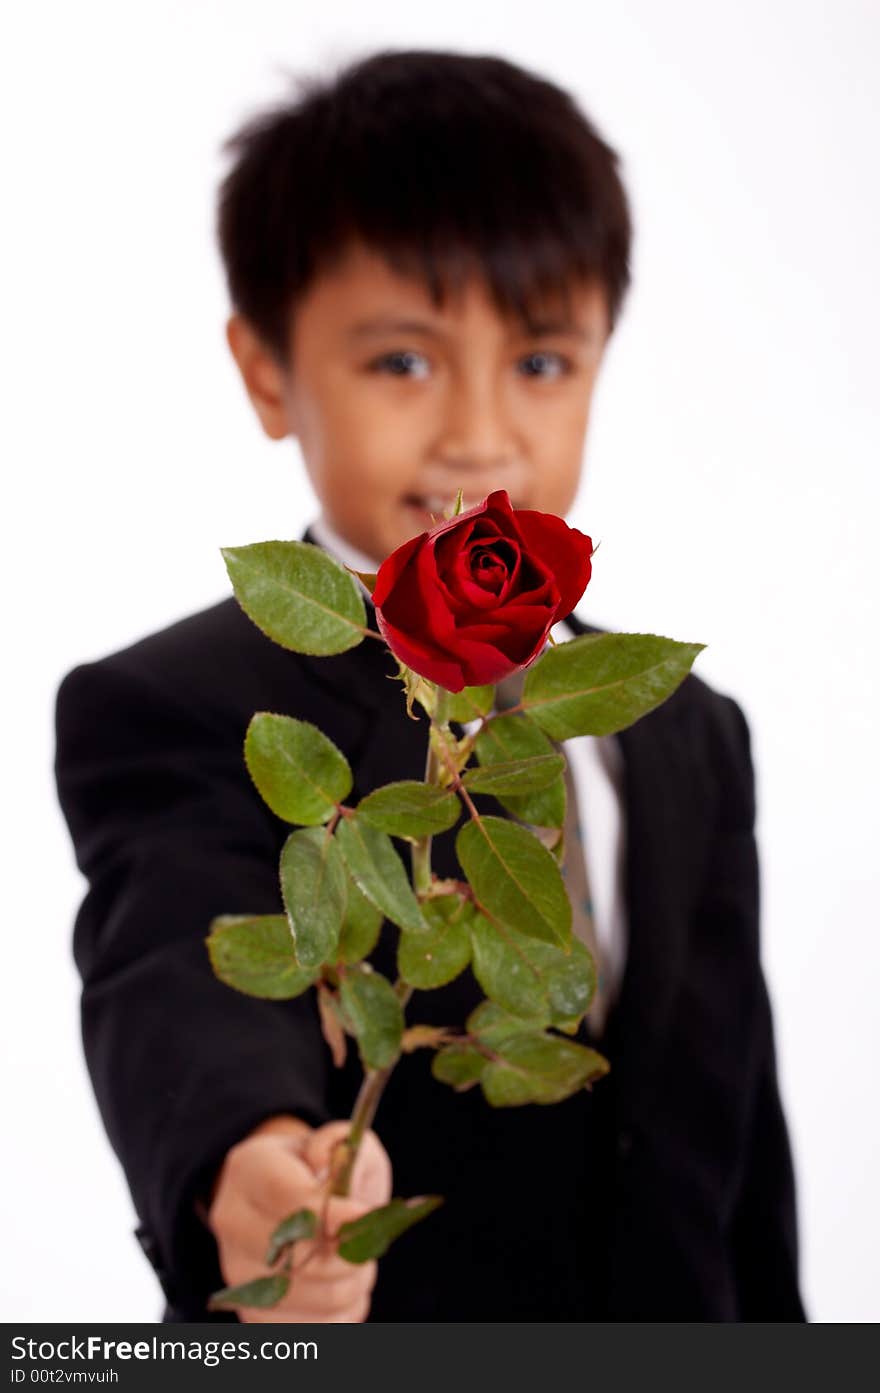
x,y
432,502
435,503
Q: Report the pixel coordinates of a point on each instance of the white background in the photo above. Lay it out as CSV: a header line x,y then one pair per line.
x,y
731,476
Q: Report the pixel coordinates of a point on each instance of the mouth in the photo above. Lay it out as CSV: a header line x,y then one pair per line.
x,y
433,505
430,506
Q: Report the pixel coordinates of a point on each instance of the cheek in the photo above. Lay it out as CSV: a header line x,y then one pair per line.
x,y
558,475
351,457
558,441
373,441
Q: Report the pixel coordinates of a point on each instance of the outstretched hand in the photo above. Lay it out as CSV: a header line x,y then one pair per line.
x,y
281,1166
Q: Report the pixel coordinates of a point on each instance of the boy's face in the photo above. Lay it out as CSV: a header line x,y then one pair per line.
x,y
394,417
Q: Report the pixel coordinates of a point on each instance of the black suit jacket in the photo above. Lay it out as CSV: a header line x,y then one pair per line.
x,y
664,1193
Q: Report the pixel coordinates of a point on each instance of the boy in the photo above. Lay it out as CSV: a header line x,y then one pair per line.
x,y
425,257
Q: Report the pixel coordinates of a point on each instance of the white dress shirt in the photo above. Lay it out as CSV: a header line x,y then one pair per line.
x,y
597,770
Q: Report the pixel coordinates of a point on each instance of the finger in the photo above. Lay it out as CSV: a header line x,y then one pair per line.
x,y
342,1209
322,1298
238,1224
321,1260
238,1266
291,1129
259,1161
306,1298
371,1177
355,1314
245,1232
320,1145
251,1202
278,1182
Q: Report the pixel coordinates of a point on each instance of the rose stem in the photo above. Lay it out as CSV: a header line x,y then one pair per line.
x,y
362,1115
375,1080
421,850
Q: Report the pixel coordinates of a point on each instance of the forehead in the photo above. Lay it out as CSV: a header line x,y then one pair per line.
x,y
363,294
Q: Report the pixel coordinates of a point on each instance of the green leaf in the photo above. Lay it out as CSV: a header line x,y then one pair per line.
x,y
531,979
298,772
376,1014
470,703
458,1065
508,738
410,809
515,878
302,1224
360,927
539,1069
262,1292
378,871
313,888
298,595
372,1234
515,775
597,684
493,1026
435,958
254,954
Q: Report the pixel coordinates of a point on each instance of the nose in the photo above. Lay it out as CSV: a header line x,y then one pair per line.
x,y
477,436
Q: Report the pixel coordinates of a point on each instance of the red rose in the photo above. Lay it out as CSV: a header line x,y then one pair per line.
x,y
473,599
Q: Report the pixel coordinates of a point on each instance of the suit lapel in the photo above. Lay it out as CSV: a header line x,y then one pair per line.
x,y
655,864
362,673
396,744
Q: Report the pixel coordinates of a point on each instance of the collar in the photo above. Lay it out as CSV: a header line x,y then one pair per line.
x,y
320,531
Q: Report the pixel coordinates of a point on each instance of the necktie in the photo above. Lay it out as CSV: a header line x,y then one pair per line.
x,y
508,692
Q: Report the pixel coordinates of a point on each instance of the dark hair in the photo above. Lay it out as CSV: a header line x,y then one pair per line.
x,y
439,161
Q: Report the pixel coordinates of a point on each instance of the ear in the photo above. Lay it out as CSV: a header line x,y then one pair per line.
x,y
262,376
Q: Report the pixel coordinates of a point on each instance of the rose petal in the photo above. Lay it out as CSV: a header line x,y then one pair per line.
x,y
414,620
484,581
391,568
448,672
564,549
474,599
516,644
482,663
494,566
476,511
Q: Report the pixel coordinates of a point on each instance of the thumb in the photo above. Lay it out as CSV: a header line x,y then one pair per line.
x,y
371,1178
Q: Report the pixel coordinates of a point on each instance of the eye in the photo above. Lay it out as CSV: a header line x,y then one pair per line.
x,y
398,363
563,365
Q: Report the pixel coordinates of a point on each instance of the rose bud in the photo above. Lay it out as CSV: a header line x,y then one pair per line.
x,y
474,598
